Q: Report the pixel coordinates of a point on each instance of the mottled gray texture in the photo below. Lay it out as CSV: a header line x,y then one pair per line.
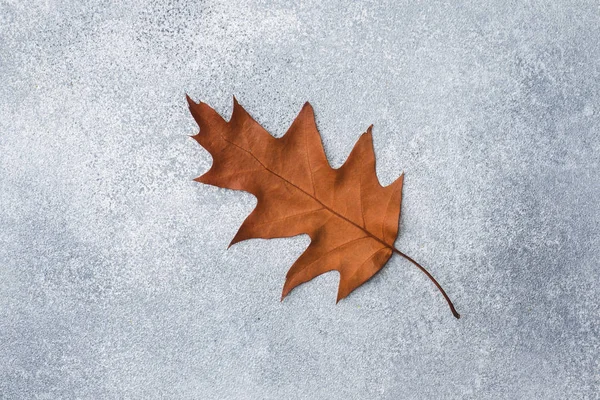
x,y
115,280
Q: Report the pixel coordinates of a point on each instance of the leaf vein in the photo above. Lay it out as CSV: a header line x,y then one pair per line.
x,y
300,189
288,217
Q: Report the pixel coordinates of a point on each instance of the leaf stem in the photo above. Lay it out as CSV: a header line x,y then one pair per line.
x,y
454,312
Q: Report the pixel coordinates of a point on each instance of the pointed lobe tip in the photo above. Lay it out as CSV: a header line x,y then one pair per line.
x,y
284,292
189,100
233,241
340,297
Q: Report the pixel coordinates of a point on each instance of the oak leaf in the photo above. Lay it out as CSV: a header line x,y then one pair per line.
x,y
352,220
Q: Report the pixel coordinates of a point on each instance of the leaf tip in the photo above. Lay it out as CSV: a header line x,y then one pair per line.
x,y
401,179
189,100
285,291
340,296
368,136
236,104
307,111
398,182
238,111
240,236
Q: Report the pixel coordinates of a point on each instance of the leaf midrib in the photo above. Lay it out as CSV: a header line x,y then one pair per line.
x,y
308,194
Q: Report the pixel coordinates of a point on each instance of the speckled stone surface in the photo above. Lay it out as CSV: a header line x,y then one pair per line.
x,y
115,280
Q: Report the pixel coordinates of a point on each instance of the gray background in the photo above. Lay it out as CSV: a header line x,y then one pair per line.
x,y
115,281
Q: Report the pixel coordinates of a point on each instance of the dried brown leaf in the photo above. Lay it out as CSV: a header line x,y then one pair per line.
x,y
351,219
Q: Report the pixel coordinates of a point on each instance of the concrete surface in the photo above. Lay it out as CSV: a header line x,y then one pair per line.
x,y
115,280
